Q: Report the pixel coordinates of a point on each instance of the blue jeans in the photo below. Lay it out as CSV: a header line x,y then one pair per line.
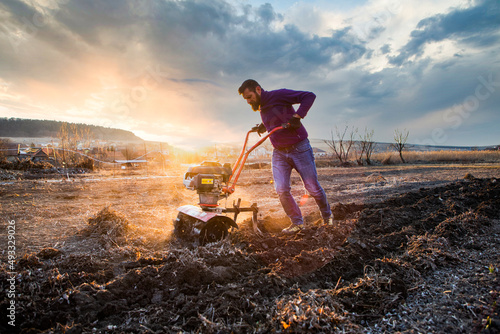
x,y
299,157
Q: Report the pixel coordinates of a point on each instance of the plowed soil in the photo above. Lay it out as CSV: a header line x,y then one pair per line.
x,y
414,249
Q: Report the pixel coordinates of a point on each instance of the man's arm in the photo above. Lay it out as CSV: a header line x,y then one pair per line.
x,y
306,100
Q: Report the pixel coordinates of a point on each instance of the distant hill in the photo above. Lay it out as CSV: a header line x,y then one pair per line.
x,y
34,128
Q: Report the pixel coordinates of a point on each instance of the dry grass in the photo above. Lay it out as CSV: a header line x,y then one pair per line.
x,y
388,158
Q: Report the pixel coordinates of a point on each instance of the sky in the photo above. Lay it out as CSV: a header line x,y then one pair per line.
x,y
169,70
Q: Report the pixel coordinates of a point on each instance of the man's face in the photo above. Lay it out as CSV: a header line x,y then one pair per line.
x,y
253,98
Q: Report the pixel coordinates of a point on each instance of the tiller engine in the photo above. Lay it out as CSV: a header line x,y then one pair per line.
x,y
214,182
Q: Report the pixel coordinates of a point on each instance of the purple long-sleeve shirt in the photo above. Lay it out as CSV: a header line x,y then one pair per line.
x,y
276,108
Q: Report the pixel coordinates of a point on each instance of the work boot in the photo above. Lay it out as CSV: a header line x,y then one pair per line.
x,y
292,229
329,221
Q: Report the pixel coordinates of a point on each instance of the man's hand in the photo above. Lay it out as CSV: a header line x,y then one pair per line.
x,y
259,128
293,123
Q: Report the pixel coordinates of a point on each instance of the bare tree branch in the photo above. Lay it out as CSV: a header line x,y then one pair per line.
x,y
340,146
400,138
366,145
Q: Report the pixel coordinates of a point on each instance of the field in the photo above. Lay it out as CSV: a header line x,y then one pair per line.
x,y
415,249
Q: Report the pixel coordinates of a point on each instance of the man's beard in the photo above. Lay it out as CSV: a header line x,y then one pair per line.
x,y
256,105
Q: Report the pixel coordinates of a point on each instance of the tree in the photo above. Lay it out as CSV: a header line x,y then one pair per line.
x,y
4,145
341,146
70,136
400,138
63,137
366,145
130,152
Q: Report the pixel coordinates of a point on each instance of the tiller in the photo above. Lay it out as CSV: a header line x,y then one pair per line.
x,y
214,182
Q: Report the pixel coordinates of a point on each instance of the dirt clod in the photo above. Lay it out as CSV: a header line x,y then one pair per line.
x,y
48,253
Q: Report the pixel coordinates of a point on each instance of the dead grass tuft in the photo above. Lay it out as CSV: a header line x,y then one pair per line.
x,y
310,311
375,177
108,224
376,293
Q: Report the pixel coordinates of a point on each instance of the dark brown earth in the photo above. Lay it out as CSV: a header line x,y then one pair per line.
x,y
419,260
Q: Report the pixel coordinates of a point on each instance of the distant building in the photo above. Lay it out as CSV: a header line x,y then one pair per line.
x,y
42,154
318,153
130,163
13,152
492,148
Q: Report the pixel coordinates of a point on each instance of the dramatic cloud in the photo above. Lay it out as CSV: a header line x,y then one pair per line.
x,y
169,69
476,26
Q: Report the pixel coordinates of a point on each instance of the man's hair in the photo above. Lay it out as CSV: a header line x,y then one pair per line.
x,y
250,84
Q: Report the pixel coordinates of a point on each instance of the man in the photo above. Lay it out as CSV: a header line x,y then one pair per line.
x,y
292,149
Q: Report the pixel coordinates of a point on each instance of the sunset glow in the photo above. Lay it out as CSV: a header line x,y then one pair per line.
x,y
169,70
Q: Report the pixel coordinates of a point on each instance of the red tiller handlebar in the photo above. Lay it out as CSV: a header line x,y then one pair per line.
x,y
238,167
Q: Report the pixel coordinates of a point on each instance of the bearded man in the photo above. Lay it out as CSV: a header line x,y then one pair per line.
x,y
292,149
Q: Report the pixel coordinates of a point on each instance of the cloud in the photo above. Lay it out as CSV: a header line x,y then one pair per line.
x,y
233,41
267,14
191,38
81,46
476,26
386,48
171,68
